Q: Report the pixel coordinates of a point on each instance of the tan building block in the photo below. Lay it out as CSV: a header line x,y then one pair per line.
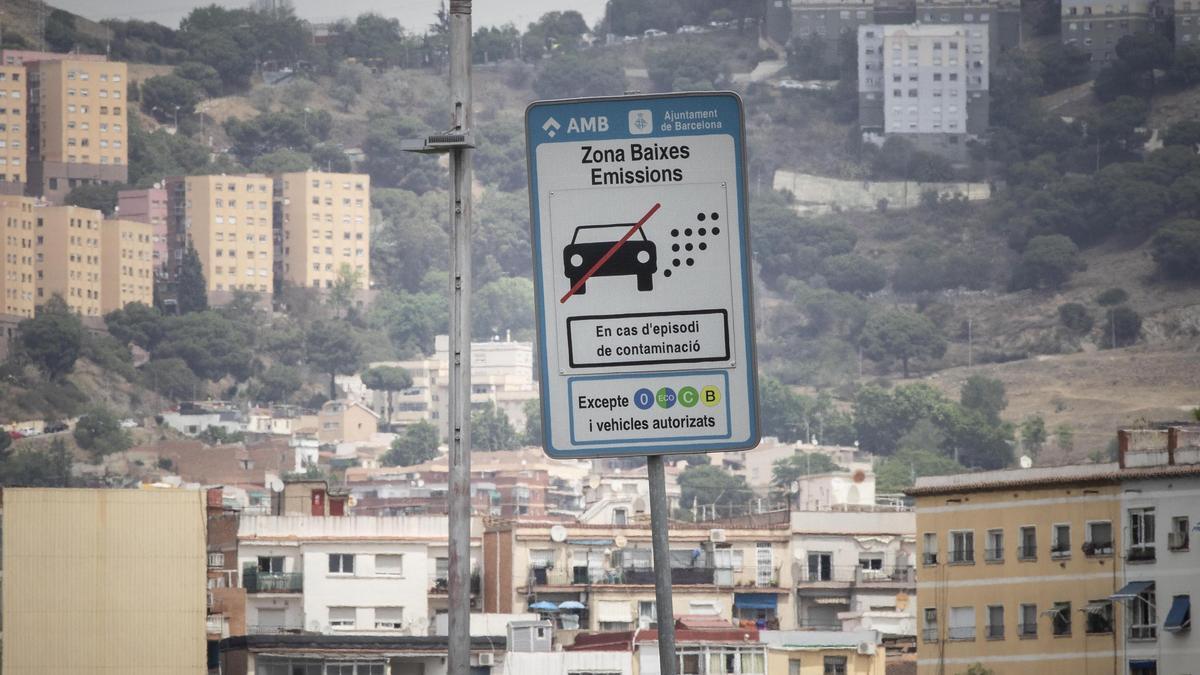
x,y
126,264
68,257
326,225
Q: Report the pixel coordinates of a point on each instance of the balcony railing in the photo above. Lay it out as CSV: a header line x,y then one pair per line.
x,y
858,575
1027,630
273,630
930,559
961,556
1027,552
995,632
929,635
1143,632
273,582
1096,549
961,633
993,554
1142,553
586,576
1060,551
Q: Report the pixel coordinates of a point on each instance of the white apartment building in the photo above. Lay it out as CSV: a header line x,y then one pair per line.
x,y
926,82
334,575
501,373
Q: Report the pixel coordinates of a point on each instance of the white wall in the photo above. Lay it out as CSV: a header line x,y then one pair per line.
x,y
560,663
366,588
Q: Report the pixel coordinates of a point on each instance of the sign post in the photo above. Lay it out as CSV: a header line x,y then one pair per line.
x,y
641,254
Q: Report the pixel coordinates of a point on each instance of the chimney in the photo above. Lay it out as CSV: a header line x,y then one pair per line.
x,y
1172,444
1122,446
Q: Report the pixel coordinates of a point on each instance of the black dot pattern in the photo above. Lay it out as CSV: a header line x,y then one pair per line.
x,y
689,246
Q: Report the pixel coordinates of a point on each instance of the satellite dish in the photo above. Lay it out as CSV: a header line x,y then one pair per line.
x,y
352,501
1026,462
620,541
275,484
558,534
594,481
795,487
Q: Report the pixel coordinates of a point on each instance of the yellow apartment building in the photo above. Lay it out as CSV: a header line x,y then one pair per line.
x,y
68,253
17,287
228,219
78,133
1016,569
326,227
108,581
126,264
13,163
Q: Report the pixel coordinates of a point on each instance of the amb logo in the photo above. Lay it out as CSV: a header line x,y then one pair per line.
x,y
577,125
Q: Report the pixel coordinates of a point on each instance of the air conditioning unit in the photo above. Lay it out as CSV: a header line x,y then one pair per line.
x,y
485,659
717,536
866,648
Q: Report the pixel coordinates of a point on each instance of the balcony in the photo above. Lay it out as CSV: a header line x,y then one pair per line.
x,y
962,556
273,630
961,633
993,555
1143,632
1141,553
995,632
930,635
273,582
1097,549
1027,630
1060,551
1027,553
588,576
855,574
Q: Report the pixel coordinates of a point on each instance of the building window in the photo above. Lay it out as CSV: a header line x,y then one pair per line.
x,y
1141,535
270,564
1028,545
620,517
1060,615
962,546
1177,540
1027,628
341,563
820,566
835,665
341,617
389,618
930,549
1099,617
995,625
1143,616
1099,538
930,633
1061,546
391,565
995,544
962,623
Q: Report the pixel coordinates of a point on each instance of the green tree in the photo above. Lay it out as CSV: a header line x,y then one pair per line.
x,y
1075,317
99,432
332,348
172,378
788,469
491,430
390,165
387,378
852,273
709,486
503,305
191,288
1124,327
1112,297
900,471
1183,132
212,345
1048,262
974,440
1176,250
167,97
99,196
214,435
34,467
903,335
882,418
282,161
5,442
53,338
204,76
280,383
683,67
533,422
1119,123
411,320
137,324
1064,437
1185,67
1033,434
60,32
985,395
575,74
418,443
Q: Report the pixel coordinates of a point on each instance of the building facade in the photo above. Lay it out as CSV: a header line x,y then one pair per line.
x,y
1000,18
77,125
17,254
323,229
1097,27
228,221
148,206
104,581
126,264
69,257
14,104
1187,23
926,83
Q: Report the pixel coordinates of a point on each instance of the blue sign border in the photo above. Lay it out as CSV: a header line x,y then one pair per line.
x,y
616,109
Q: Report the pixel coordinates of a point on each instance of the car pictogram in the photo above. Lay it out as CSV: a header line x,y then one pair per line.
x,y
638,257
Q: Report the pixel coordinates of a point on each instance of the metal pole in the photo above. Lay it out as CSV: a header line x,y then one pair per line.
x,y
663,607
459,619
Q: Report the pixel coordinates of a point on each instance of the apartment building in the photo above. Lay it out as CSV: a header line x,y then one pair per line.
x,y
77,125
1076,572
126,264
14,165
104,581
1187,23
346,422
352,576
68,257
1000,18
825,22
501,374
228,220
926,83
17,254
738,574
1096,27
148,206
323,229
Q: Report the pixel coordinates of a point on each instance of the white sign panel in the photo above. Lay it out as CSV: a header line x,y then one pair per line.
x,y
641,263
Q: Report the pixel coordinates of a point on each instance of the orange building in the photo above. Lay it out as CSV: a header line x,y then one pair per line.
x,y
126,264
13,162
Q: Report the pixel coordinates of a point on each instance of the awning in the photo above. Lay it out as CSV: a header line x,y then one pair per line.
x,y
1132,589
1180,616
1098,607
831,601
755,600
1144,664
613,611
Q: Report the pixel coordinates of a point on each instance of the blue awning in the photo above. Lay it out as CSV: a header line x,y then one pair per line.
x,y
1144,664
1180,616
755,600
1132,589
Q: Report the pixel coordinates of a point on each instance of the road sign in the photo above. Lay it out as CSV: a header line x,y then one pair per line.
x,y
642,270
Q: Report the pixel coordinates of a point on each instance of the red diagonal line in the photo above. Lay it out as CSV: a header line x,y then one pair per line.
x,y
604,258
